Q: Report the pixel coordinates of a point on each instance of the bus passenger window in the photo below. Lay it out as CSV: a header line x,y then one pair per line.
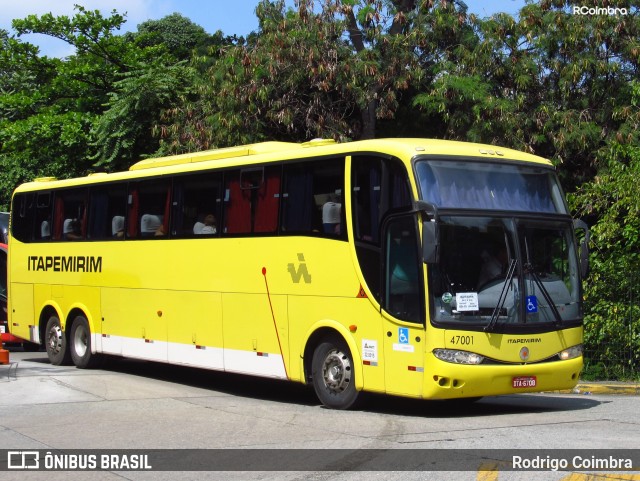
x,y
312,198
197,202
149,209
107,211
70,214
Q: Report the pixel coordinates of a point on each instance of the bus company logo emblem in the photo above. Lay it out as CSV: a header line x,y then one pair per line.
x,y
524,353
23,460
301,272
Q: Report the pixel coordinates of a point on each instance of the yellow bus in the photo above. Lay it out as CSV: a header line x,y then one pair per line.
x,y
413,267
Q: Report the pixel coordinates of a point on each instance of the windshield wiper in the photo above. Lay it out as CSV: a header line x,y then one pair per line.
x,y
528,269
503,296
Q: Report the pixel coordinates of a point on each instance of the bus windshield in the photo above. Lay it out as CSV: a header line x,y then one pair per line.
x,y
515,263
505,271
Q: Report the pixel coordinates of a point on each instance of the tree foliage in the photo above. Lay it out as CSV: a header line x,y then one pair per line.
x,y
612,293
96,108
329,68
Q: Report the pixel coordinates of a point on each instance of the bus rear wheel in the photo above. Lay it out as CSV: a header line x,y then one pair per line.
x,y
333,374
80,346
56,343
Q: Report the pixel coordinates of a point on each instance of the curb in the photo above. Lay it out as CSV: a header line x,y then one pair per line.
x,y
626,389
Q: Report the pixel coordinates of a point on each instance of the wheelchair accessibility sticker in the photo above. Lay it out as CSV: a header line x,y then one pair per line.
x,y
403,341
532,304
403,335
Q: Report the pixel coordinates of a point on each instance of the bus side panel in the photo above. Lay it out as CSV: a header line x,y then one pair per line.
x,y
251,344
133,323
194,328
22,321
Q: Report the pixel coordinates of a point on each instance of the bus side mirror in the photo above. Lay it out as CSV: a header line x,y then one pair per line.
x,y
583,247
430,242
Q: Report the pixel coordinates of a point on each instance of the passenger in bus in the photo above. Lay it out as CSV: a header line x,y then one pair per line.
x,y
151,225
71,229
331,215
207,226
45,230
117,226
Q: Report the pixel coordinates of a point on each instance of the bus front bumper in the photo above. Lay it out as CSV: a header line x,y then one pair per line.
x,y
452,381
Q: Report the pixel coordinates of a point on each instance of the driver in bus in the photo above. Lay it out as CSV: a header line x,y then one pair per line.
x,y
494,264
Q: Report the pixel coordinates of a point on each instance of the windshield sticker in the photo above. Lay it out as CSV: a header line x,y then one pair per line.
x,y
532,304
447,298
467,301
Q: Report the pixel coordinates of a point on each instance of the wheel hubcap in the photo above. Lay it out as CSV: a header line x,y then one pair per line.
x,y
80,342
55,339
336,371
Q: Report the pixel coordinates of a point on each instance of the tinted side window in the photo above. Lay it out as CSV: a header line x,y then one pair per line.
x,y
197,205
312,198
149,209
70,214
403,297
378,185
107,212
23,217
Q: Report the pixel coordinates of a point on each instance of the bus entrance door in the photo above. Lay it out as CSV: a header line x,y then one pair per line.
x,y
402,306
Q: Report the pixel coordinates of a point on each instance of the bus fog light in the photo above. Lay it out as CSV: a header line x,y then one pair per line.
x,y
571,353
458,357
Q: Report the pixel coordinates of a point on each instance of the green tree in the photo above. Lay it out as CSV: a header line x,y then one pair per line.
x,y
179,35
549,82
612,294
95,108
329,68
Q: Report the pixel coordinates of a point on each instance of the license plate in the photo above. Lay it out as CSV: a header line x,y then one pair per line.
x,y
524,381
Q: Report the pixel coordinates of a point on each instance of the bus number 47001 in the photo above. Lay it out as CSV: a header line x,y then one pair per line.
x,y
524,381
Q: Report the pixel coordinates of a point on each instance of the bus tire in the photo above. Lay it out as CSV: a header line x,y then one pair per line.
x,y
333,374
56,343
80,345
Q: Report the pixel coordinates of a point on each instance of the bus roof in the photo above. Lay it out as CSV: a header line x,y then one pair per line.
x,y
266,152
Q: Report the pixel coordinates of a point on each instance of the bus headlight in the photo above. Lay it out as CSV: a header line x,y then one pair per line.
x,y
458,357
571,353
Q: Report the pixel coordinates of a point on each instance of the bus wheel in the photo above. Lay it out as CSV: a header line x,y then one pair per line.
x,y
80,346
333,375
56,343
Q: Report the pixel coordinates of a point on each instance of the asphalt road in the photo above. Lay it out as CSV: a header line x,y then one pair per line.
x,y
136,406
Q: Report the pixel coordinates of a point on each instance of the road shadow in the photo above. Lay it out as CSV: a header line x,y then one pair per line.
x,y
228,383
290,392
296,393
488,406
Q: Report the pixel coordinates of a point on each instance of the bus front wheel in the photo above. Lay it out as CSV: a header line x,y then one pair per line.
x,y
56,343
333,374
80,344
